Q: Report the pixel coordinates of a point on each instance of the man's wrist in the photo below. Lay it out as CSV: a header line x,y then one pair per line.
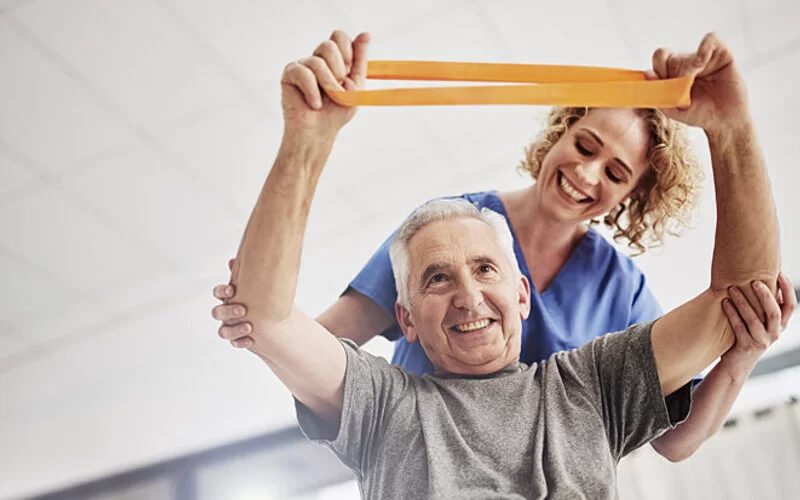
x,y
727,132
738,366
305,149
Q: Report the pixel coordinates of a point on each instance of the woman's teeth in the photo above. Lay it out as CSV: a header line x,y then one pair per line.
x,y
471,327
571,191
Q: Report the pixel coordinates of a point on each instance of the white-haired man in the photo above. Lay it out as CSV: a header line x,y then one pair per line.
x,y
485,425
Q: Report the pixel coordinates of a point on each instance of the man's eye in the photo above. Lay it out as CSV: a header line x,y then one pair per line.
x,y
438,278
486,268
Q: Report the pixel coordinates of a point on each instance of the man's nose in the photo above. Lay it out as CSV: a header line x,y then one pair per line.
x,y
469,295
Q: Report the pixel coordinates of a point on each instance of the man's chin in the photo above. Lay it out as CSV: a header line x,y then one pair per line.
x,y
483,364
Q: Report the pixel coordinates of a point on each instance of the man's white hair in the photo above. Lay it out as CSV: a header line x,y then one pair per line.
x,y
434,211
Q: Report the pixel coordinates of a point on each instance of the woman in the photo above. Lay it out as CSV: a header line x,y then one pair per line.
x,y
631,169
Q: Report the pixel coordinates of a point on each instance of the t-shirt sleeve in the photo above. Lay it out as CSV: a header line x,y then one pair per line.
x,y
372,389
376,281
628,391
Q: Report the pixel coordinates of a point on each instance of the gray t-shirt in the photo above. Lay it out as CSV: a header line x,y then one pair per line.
x,y
556,429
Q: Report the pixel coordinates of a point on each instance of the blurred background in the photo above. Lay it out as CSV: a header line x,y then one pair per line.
x,y
134,139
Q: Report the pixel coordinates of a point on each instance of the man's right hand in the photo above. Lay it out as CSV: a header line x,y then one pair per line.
x,y
339,63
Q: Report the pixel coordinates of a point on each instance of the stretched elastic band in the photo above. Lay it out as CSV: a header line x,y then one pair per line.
x,y
535,84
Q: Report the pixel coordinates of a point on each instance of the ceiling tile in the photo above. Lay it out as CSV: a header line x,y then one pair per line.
x,y
10,343
474,137
40,105
455,31
31,292
681,27
754,8
162,286
255,38
235,150
72,245
381,157
232,150
772,26
10,4
133,54
556,35
160,205
386,17
14,175
58,326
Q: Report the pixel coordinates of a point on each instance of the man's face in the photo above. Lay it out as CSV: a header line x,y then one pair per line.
x,y
467,302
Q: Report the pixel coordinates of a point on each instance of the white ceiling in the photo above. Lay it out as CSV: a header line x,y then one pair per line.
x,y
134,138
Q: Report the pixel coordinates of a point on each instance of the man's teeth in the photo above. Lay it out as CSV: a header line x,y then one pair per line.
x,y
471,327
571,191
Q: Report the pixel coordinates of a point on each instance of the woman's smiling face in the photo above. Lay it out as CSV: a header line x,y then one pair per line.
x,y
595,165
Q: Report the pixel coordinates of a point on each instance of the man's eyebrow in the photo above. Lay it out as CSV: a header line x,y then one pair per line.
x,y
431,270
600,141
483,259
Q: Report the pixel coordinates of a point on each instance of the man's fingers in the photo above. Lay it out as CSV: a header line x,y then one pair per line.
x,y
789,303
223,292
228,312
233,332
359,71
322,72
345,45
660,58
330,53
231,263
300,76
705,50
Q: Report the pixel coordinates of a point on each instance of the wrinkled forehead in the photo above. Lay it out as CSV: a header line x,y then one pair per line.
x,y
453,242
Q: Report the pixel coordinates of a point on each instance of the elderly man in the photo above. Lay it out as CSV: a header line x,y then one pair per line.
x,y
485,425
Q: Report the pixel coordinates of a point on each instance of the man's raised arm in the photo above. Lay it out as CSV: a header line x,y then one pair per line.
x,y
746,245
267,265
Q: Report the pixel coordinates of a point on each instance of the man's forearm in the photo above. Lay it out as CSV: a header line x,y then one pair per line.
x,y
267,265
746,246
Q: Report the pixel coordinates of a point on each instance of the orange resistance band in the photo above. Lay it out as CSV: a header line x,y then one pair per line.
x,y
535,84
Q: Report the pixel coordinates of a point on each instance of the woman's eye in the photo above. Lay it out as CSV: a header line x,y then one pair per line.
x,y
582,149
614,178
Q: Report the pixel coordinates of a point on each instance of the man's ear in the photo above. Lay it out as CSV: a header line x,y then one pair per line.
x,y
524,292
406,322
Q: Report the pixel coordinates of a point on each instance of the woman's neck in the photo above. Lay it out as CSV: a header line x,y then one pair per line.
x,y
536,230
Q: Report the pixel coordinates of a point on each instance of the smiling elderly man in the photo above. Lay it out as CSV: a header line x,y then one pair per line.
x,y
485,425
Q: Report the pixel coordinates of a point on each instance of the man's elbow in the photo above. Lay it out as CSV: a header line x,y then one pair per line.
x,y
722,281
674,451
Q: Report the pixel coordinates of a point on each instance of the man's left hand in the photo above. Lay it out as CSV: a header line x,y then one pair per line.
x,y
719,96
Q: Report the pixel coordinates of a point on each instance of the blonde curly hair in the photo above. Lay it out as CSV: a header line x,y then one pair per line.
x,y
663,200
